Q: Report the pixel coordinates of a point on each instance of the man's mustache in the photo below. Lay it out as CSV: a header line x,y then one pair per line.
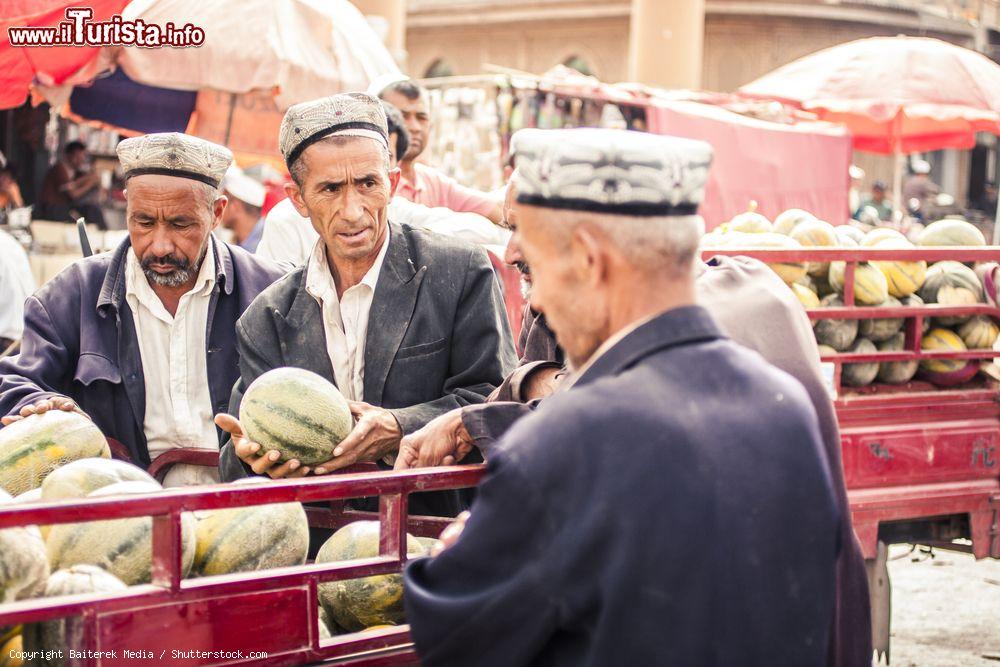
x,y
170,260
523,268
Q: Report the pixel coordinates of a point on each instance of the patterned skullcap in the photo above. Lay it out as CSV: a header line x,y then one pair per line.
x,y
611,171
348,114
174,154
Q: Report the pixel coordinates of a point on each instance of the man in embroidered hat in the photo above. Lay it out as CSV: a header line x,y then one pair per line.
x,y
141,339
408,324
644,515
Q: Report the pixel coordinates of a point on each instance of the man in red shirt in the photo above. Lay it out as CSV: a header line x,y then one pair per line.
x,y
423,184
70,189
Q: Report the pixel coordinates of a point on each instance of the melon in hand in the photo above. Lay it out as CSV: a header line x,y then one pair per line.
x,y
295,412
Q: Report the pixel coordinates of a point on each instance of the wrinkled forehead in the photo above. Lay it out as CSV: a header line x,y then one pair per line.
x,y
154,193
345,156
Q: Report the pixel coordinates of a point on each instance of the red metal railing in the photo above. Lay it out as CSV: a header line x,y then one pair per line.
x,y
914,315
169,602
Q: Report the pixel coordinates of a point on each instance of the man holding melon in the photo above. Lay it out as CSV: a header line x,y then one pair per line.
x,y
406,323
672,504
140,339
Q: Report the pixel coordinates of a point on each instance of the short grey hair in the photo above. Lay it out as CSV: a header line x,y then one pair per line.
x,y
298,170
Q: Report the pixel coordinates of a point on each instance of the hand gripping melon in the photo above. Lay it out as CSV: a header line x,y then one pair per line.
x,y
951,232
360,603
790,219
123,547
879,234
870,286
904,278
23,567
881,329
951,284
61,634
297,413
35,446
816,234
838,334
896,372
860,374
979,333
254,537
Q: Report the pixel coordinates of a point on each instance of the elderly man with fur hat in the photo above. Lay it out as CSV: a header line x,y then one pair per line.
x,y
141,339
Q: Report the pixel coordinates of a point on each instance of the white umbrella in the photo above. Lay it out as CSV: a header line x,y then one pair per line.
x,y
300,49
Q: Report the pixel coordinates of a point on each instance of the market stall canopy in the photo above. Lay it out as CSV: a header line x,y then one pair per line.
x,y
51,65
780,166
895,94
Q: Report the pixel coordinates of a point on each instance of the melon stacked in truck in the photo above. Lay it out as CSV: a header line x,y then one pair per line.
x,y
885,283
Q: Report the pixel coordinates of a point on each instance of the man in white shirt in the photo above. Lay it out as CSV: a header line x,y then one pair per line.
x,y
406,323
141,339
16,284
288,237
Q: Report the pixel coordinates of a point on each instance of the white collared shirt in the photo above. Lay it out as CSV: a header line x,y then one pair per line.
x,y
345,320
175,367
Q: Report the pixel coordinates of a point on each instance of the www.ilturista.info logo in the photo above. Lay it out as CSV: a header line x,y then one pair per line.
x,y
79,30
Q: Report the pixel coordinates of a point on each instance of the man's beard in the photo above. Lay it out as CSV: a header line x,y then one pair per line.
x,y
182,273
525,272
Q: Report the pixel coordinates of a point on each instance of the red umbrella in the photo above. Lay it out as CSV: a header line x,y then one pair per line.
x,y
896,95
20,66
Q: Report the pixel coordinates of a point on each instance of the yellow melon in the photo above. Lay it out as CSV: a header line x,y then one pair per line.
x,y
870,286
788,220
903,278
816,234
880,234
750,222
805,295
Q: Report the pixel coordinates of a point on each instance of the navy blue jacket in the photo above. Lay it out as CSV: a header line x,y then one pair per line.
x,y
674,507
79,341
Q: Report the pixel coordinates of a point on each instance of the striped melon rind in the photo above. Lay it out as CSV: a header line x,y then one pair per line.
x,y
123,547
951,232
79,478
816,234
297,413
35,446
896,372
356,604
881,329
979,333
23,566
951,284
50,636
870,286
838,334
942,339
244,539
860,374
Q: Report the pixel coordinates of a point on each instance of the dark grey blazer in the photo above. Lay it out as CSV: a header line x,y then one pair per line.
x,y
438,336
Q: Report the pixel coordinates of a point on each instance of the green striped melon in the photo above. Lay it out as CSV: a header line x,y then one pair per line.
x,y
879,234
35,446
838,334
123,547
297,413
849,235
357,604
860,374
78,478
790,219
904,278
896,372
870,286
254,537
914,300
806,296
881,329
51,636
816,234
951,232
979,333
23,568
951,284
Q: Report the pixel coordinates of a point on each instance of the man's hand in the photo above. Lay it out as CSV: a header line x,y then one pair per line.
x,y
450,534
376,433
541,383
443,441
43,406
251,453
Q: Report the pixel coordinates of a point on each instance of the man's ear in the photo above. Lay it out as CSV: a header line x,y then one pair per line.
x,y
590,261
295,194
218,208
394,175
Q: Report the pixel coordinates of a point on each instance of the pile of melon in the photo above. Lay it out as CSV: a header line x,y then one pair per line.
x,y
879,283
